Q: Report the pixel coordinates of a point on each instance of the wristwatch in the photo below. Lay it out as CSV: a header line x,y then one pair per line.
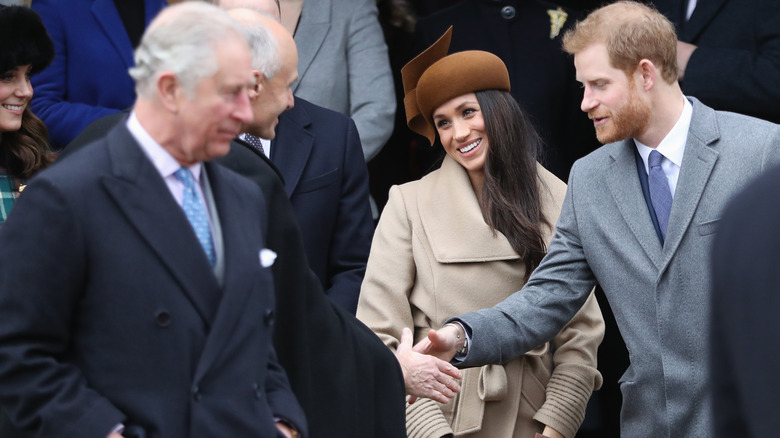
x,y
465,350
458,327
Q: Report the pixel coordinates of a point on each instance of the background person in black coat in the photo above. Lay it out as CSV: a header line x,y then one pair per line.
x,y
729,53
745,352
526,35
319,155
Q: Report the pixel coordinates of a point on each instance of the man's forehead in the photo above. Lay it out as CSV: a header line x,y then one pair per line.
x,y
593,61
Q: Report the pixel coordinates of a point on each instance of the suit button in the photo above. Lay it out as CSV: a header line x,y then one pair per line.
x,y
508,12
196,394
163,318
258,391
269,317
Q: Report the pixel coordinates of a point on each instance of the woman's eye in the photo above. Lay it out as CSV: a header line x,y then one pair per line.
x,y
469,111
442,123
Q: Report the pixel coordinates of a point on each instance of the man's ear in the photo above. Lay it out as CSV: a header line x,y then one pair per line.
x,y
647,73
259,83
169,90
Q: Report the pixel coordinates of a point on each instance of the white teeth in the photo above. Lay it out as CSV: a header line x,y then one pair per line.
x,y
14,107
470,146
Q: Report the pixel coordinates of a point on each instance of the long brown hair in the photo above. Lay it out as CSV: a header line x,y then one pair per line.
x,y
25,152
511,202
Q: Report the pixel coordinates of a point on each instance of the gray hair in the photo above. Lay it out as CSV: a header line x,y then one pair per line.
x,y
182,40
263,45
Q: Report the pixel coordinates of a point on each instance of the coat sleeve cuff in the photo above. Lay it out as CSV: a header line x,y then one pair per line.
x,y
424,419
567,397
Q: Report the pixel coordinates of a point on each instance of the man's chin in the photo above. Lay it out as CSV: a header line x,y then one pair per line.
x,y
218,149
606,136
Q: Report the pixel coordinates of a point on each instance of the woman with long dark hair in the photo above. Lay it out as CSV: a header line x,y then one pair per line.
x,y
465,237
25,48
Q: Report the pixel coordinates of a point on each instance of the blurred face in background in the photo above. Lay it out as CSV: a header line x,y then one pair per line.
x,y
15,95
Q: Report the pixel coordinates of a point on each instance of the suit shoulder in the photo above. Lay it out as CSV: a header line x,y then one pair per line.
x,y
742,138
739,124
84,166
316,112
231,177
600,157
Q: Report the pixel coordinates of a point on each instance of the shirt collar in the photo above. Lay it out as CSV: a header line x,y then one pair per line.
x,y
672,147
162,160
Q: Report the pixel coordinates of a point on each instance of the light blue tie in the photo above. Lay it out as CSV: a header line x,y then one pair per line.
x,y
660,194
195,210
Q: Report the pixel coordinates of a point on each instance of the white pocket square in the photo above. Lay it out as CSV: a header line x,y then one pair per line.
x,y
267,257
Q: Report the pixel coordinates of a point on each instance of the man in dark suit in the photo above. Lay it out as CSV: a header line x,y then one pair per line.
x,y
360,394
146,306
728,53
319,155
745,354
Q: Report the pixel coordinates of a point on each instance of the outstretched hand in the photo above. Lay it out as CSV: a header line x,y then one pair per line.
x,y
424,375
443,343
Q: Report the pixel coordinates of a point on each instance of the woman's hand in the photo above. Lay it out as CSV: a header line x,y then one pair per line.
x,y
426,376
551,433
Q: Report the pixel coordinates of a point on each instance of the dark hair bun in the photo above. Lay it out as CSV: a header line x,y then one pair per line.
x,y
23,39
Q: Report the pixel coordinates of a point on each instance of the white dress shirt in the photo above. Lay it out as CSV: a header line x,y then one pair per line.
x,y
672,147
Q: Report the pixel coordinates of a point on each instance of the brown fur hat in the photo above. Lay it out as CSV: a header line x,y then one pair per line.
x,y
433,77
23,39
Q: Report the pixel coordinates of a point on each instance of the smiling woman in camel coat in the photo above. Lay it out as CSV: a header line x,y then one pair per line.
x,y
432,257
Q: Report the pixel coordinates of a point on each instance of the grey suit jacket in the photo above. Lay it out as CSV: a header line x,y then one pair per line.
x,y
659,295
343,66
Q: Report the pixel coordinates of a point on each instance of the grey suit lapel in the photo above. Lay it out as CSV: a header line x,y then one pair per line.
x,y
143,197
106,14
292,146
310,34
698,161
623,182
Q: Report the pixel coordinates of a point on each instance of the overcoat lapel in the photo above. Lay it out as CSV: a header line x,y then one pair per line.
x,y
106,14
466,238
701,17
239,276
698,161
141,194
292,146
309,38
626,190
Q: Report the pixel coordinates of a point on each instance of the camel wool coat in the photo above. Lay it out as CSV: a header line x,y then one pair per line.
x,y
432,257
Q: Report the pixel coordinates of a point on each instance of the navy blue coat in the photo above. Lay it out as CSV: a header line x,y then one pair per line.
x,y
120,317
737,62
319,155
745,354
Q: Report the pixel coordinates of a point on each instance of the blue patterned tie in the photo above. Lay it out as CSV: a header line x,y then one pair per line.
x,y
255,142
660,194
195,210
